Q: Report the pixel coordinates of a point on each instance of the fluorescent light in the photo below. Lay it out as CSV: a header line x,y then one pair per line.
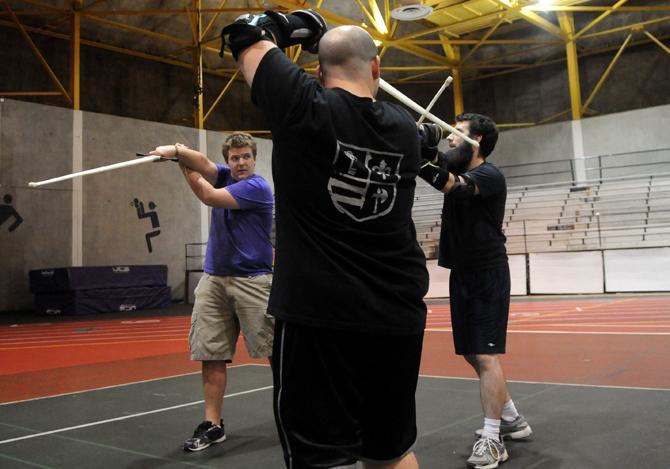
x,y
380,24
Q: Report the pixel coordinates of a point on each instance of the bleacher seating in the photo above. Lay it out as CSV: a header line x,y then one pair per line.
x,y
622,212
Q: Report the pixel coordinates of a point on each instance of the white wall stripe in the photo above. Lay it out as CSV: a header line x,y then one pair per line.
x,y
578,151
204,209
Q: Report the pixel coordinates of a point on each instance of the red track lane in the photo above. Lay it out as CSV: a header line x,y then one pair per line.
x,y
598,341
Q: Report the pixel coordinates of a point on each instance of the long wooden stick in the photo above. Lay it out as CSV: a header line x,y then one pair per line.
x,y
446,83
416,107
101,169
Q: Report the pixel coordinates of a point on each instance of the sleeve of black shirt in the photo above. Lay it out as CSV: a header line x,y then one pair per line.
x,y
281,89
488,179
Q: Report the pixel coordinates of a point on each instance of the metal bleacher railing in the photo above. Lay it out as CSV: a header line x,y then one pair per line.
x,y
624,202
626,205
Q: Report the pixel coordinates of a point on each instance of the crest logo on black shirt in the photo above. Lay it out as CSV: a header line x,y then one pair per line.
x,y
363,183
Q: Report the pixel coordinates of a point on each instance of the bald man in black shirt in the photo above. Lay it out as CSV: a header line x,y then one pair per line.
x,y
349,276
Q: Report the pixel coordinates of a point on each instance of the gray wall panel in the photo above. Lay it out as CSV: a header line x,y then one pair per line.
x,y
35,144
113,232
542,143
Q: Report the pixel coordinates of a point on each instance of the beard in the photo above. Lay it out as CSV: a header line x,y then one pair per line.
x,y
459,158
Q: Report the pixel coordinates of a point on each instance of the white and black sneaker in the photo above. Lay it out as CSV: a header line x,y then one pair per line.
x,y
205,435
487,453
517,429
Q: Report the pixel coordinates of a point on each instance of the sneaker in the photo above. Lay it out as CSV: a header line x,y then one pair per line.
x,y
514,430
487,453
205,435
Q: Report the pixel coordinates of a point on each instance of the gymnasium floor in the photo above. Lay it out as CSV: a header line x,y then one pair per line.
x,y
591,374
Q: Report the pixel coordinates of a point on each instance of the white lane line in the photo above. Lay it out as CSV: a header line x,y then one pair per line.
x,y
567,332
604,386
125,417
119,385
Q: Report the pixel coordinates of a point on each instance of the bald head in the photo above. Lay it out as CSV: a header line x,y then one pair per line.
x,y
349,47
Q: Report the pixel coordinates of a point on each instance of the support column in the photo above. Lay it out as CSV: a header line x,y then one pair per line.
x,y
75,55
204,209
568,27
198,103
454,55
458,91
77,188
578,163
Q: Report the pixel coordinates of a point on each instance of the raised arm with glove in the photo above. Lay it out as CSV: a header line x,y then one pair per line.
x,y
304,27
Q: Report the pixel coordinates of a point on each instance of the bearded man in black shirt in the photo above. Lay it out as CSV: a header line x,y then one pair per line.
x,y
349,276
472,245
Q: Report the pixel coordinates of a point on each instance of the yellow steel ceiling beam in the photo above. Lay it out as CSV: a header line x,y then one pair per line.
x,y
607,72
135,29
173,12
418,75
568,26
9,94
533,18
584,53
483,40
444,29
37,52
454,54
600,18
213,18
222,93
653,38
515,53
75,56
339,20
488,42
46,6
648,8
627,27
142,55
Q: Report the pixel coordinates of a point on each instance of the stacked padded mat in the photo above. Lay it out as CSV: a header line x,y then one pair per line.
x,y
99,289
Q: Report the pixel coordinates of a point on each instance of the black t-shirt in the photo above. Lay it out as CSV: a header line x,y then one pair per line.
x,y
471,237
344,170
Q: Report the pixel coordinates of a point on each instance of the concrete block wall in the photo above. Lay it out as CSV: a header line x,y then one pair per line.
x,y
35,143
94,220
97,223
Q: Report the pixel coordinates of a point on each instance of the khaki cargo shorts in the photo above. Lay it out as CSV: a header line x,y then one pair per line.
x,y
224,306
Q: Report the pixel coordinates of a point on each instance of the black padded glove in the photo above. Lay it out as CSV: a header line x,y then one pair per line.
x,y
429,136
305,27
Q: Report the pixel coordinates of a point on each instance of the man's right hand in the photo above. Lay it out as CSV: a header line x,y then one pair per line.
x,y
429,136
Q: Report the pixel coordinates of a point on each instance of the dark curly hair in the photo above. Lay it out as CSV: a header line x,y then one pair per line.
x,y
484,127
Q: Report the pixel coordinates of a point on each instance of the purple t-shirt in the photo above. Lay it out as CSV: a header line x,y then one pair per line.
x,y
239,239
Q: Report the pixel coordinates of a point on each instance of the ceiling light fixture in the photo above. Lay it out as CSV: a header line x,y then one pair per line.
x,y
412,12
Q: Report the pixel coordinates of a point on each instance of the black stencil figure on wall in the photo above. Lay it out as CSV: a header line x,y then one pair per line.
x,y
153,215
8,211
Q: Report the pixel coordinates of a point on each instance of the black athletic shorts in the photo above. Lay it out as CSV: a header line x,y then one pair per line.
x,y
479,302
343,396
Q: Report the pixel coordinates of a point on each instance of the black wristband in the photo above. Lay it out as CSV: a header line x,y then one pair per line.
x,y
434,175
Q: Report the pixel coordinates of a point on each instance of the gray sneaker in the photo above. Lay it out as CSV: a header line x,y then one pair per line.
x,y
514,430
487,453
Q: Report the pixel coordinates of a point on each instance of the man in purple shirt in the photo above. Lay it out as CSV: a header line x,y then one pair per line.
x,y
233,293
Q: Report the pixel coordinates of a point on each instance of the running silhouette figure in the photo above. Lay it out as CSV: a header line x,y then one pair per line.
x,y
154,220
7,211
